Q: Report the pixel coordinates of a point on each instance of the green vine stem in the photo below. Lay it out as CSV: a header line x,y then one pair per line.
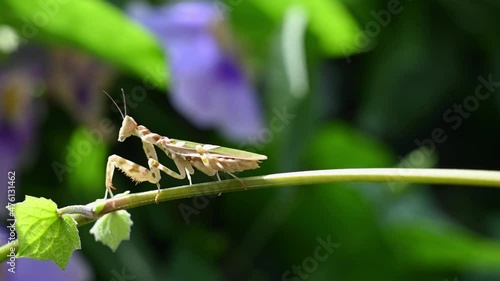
x,y
88,213
5,250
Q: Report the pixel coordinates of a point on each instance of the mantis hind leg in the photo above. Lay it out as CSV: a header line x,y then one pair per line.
x,y
150,152
183,166
242,183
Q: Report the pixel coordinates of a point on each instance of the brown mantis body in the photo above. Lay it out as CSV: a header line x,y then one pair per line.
x,y
209,159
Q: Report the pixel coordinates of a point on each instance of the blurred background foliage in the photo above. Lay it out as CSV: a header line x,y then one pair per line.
x,y
364,83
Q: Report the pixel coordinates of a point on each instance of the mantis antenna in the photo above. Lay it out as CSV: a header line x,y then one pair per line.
x,y
123,116
124,102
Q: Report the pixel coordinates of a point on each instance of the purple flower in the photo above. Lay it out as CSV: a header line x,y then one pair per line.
x,y
17,88
30,269
76,81
208,86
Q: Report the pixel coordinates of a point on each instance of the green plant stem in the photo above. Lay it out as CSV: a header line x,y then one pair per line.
x,y
5,250
76,209
85,214
428,176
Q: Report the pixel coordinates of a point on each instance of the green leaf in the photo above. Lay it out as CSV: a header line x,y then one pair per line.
x,y
112,229
94,26
42,234
339,39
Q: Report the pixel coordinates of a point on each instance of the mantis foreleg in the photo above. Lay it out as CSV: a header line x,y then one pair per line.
x,y
133,170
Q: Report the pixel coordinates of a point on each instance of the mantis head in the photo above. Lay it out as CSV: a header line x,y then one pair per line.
x,y
127,129
128,124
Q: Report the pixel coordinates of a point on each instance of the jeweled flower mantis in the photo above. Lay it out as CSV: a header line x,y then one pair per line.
x,y
207,158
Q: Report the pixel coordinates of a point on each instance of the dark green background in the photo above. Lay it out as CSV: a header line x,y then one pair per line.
x,y
368,106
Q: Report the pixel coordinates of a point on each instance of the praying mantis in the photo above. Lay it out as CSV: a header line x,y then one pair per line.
x,y
207,158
